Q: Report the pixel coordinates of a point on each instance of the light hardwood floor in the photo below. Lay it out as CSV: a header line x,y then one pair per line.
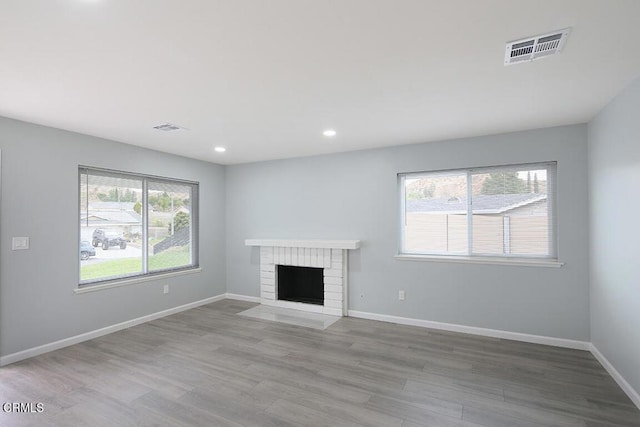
x,y
208,367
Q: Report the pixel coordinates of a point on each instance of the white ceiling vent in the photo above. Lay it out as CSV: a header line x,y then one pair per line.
x,y
535,47
168,127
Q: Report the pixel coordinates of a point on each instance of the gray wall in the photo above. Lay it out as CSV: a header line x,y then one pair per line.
x,y
614,191
355,195
40,200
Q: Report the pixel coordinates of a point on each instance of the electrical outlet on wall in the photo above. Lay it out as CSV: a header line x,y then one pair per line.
x,y
166,289
401,295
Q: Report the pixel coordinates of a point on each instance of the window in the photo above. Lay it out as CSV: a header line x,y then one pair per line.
x,y
505,211
134,225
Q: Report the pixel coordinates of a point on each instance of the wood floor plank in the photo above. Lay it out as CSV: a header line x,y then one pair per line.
x,y
416,411
577,408
310,382
339,410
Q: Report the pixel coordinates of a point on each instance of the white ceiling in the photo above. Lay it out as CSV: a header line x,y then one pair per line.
x,y
265,78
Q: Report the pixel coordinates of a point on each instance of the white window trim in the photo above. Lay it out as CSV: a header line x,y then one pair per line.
x,y
145,275
528,262
116,283
516,260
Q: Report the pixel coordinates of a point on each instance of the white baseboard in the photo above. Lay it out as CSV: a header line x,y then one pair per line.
x,y
624,385
516,336
239,297
35,351
495,333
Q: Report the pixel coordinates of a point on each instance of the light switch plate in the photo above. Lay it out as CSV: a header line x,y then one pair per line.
x,y
20,243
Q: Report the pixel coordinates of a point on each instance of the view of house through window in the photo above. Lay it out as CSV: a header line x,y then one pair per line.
x,y
501,211
134,225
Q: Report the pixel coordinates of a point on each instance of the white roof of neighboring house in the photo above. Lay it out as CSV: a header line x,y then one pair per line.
x,y
482,204
111,206
121,213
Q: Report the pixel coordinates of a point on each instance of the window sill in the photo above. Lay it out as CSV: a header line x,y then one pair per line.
x,y
482,260
134,280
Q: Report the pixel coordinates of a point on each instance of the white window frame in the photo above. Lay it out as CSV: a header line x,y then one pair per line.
x,y
551,259
145,274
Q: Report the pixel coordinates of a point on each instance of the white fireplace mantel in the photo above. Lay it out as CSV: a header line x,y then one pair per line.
x,y
330,255
297,243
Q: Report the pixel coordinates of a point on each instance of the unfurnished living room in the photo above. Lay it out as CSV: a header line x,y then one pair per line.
x,y
319,213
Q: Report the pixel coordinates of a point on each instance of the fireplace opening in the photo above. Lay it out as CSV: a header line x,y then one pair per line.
x,y
301,284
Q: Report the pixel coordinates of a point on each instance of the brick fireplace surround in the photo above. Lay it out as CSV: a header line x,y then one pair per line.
x,y
330,255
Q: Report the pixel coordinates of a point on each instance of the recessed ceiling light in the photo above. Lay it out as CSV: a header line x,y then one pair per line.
x,y
329,133
219,149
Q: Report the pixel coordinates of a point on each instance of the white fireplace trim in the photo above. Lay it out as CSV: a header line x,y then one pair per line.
x,y
330,255
302,243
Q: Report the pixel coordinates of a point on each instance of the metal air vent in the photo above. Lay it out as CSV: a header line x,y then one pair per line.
x,y
168,127
536,47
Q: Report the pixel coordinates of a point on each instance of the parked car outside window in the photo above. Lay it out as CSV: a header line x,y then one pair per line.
x,y
86,250
108,238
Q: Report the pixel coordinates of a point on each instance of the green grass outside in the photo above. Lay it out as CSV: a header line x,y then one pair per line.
x,y
171,258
